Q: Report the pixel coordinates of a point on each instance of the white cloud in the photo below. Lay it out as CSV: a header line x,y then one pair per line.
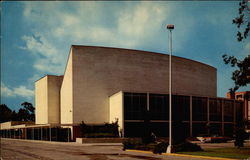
x,y
5,91
21,91
85,23
48,58
142,19
57,24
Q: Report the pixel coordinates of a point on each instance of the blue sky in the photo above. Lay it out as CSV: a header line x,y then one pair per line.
x,y
36,36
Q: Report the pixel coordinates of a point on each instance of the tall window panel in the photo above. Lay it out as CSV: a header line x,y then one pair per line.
x,y
135,106
159,106
215,110
228,111
181,109
199,109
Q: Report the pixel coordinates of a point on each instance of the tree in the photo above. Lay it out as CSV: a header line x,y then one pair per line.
x,y
5,113
242,20
28,113
240,76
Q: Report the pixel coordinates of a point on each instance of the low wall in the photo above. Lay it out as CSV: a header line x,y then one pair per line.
x,y
100,140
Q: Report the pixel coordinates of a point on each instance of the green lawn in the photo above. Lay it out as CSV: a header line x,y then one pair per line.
x,y
235,153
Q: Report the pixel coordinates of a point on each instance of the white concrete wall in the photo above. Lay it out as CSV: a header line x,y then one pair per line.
x,y
54,86
67,93
116,109
41,100
100,72
47,99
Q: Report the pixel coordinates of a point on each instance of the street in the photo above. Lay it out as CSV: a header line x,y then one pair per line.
x,y
43,150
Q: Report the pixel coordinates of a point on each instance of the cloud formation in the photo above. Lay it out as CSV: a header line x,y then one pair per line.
x,y
21,91
57,25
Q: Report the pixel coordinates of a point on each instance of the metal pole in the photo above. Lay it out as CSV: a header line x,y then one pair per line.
x,y
169,149
170,90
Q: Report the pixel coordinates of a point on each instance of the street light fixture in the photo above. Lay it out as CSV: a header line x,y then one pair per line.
x,y
170,27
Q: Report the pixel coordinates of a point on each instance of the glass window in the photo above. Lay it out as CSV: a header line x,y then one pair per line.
x,y
239,111
228,130
158,106
135,106
199,109
199,129
181,109
228,111
215,110
215,129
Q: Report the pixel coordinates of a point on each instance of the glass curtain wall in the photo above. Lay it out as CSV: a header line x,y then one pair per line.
x,y
209,115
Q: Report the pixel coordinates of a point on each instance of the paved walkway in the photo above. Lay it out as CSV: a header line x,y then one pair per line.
x,y
43,150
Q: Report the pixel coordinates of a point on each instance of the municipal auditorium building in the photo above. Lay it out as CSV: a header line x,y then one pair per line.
x,y
102,84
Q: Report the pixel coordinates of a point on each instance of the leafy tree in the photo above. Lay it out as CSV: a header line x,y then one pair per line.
x,y
240,135
243,20
240,76
5,113
28,113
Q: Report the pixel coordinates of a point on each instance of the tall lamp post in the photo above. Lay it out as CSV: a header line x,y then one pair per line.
x,y
170,27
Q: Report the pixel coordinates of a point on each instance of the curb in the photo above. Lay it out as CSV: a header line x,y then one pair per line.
x,y
182,155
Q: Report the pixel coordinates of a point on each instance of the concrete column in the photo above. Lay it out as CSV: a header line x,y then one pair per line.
x,y
222,118
123,123
234,116
68,133
33,134
147,101
191,115
19,134
41,133
49,134
208,115
56,133
25,133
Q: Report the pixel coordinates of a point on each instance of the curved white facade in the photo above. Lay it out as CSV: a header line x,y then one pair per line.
x,y
93,74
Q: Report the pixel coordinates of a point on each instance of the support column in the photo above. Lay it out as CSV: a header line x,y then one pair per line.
x,y
19,134
56,133
222,118
208,116
147,101
33,134
49,134
41,133
191,115
234,116
68,134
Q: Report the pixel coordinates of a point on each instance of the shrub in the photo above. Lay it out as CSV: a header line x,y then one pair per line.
x,y
187,147
160,148
131,143
107,130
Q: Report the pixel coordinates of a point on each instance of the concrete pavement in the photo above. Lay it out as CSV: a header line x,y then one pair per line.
x,y
12,149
